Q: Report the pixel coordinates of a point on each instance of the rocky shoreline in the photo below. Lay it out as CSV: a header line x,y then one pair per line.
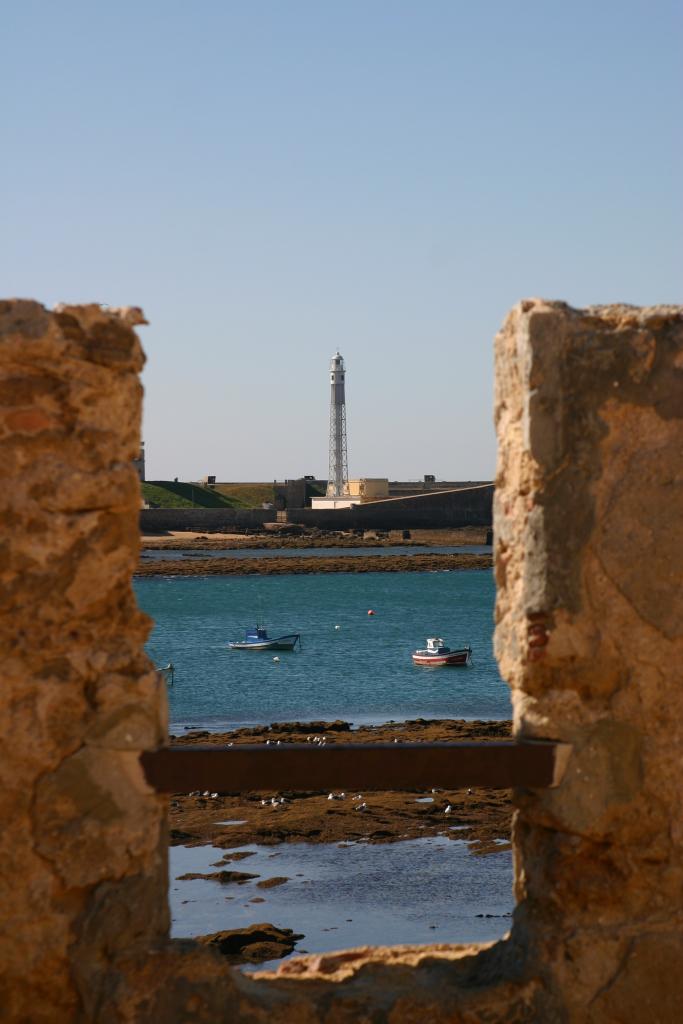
x,y
252,945
189,564
274,566
481,817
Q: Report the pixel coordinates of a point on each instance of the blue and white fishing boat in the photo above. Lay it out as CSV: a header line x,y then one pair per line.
x,y
257,639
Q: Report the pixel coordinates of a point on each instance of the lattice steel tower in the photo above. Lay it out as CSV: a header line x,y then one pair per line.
x,y
338,477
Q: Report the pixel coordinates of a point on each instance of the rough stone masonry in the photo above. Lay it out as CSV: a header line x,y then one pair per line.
x,y
589,636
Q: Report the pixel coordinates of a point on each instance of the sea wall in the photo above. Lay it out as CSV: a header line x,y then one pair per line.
x,y
296,493
471,506
205,520
589,636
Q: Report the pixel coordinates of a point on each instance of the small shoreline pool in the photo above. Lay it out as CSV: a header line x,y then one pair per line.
x,y
350,894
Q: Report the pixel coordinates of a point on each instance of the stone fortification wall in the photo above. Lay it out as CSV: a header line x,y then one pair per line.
x,y
405,488
470,506
216,520
297,493
589,635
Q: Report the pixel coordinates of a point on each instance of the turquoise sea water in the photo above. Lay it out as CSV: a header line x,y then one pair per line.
x,y
361,672
419,891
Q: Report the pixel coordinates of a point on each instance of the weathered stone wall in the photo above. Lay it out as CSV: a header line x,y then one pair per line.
x,y
82,856
589,566
589,635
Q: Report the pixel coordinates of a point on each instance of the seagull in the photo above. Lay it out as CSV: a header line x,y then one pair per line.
x,y
469,792
214,796
448,809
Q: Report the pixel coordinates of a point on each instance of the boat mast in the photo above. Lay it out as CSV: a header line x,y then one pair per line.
x,y
338,476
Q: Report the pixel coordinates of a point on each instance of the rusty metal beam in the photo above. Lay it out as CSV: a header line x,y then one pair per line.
x,y
382,766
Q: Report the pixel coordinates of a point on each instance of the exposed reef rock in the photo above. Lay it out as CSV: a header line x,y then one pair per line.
x,y
274,566
252,945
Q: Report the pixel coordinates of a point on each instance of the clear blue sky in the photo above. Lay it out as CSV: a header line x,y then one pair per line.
x,y
275,179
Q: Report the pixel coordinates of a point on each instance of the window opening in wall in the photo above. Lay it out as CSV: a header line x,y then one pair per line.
x,y
342,865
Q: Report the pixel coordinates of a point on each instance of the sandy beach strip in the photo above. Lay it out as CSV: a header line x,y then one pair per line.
x,y
176,540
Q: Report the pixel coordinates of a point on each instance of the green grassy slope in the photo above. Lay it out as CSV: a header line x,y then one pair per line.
x,y
169,494
247,495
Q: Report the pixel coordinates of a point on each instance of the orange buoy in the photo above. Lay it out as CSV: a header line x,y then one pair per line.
x,y
370,612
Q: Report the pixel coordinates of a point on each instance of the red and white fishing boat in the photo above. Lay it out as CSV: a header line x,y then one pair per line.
x,y
436,653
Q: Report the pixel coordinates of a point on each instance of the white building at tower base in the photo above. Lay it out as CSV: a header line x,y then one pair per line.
x,y
359,492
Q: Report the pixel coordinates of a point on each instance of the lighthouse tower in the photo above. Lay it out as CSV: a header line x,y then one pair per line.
x,y
338,476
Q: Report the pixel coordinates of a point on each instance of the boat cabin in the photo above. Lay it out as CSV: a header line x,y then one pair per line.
x,y
258,633
435,645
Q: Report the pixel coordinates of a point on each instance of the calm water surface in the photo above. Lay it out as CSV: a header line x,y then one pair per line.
x,y
361,672
338,896
426,890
